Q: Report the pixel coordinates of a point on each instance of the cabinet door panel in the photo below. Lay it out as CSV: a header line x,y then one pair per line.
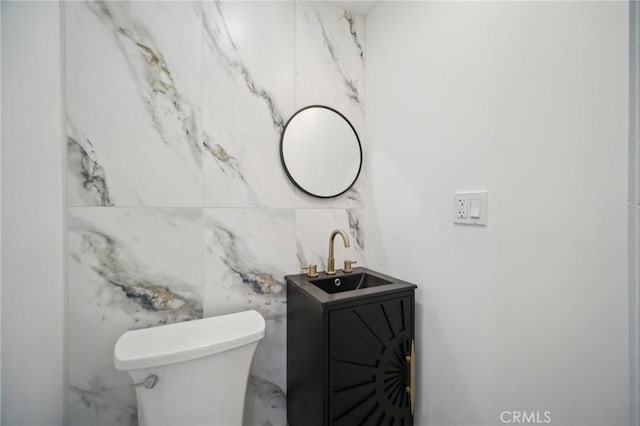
x,y
362,344
368,372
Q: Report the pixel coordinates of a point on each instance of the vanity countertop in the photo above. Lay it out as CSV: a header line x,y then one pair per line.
x,y
304,283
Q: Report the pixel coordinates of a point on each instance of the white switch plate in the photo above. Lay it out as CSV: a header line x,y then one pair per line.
x,y
462,207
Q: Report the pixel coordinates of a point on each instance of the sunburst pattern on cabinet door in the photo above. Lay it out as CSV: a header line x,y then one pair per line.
x,y
368,372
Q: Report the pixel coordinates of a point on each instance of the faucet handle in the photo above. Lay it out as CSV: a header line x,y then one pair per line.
x,y
312,270
347,266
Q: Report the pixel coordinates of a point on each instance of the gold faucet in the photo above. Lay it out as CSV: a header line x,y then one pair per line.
x,y
331,261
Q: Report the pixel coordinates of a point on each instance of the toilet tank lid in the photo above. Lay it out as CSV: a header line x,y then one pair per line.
x,y
188,340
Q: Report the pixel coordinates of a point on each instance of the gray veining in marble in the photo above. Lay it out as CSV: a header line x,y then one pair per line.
x,y
117,267
133,91
247,94
355,227
262,283
248,252
81,163
100,398
227,163
172,116
268,391
349,83
348,16
270,399
217,35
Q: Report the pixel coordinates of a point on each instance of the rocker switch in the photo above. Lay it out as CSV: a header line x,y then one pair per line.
x,y
474,211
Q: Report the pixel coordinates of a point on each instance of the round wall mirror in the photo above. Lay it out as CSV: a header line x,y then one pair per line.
x,y
321,151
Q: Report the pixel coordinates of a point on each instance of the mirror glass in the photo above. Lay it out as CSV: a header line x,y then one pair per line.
x,y
321,151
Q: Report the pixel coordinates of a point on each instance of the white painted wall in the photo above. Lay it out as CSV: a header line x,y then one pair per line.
x,y
32,216
528,100
634,214
0,222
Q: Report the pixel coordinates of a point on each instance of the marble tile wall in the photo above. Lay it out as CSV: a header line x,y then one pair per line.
x,y
177,205
330,71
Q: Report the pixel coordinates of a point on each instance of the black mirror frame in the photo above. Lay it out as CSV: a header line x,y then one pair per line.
x,y
284,166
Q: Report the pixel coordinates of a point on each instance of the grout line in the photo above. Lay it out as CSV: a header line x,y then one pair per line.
x,y
183,207
221,207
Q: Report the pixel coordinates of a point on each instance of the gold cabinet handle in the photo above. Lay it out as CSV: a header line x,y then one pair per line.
x,y
411,389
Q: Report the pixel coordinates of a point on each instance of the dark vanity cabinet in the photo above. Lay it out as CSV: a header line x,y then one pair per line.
x,y
349,353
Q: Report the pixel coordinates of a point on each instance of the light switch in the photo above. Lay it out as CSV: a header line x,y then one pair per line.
x,y
470,207
474,212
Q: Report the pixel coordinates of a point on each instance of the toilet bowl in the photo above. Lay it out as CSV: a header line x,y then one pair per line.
x,y
191,373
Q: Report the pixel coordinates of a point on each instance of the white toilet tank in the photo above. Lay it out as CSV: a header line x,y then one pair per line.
x,y
202,368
